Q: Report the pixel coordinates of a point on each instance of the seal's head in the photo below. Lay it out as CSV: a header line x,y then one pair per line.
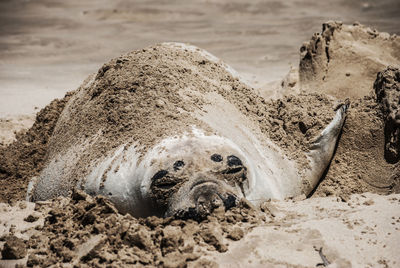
x,y
195,175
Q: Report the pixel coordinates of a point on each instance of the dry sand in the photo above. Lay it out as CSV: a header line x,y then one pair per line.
x,y
352,230
10,126
362,232
343,60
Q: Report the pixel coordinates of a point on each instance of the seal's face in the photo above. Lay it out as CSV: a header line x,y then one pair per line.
x,y
195,181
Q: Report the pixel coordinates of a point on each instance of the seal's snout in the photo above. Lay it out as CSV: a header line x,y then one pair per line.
x,y
201,199
207,203
210,196
205,206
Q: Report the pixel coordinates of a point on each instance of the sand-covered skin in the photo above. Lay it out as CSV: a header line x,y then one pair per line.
x,y
122,113
344,59
295,121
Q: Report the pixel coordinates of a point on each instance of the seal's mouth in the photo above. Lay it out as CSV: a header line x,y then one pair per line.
x,y
202,183
199,213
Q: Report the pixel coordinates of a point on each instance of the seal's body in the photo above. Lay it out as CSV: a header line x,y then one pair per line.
x,y
206,151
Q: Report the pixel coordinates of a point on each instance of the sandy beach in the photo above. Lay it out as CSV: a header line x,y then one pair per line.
x,y
47,49
302,59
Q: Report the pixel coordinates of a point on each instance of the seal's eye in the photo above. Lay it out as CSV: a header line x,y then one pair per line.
x,y
234,161
178,164
235,165
216,158
163,180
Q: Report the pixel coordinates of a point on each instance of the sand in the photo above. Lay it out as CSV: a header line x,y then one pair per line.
x,y
343,60
350,228
10,127
25,157
98,235
364,138
361,232
86,231
387,89
47,48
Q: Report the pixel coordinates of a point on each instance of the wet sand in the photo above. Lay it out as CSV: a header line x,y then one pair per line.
x,y
48,48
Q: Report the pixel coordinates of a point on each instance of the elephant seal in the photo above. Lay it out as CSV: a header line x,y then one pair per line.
x,y
171,130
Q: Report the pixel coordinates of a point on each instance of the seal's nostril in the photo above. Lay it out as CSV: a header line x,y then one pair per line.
x,y
216,202
234,161
203,205
230,202
232,170
216,158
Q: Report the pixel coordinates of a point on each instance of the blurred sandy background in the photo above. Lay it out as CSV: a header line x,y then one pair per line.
x,y
49,47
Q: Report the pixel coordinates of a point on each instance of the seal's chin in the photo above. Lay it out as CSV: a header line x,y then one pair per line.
x,y
200,199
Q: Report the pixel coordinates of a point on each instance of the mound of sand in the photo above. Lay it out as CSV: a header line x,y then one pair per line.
x,y
359,164
343,60
25,157
352,61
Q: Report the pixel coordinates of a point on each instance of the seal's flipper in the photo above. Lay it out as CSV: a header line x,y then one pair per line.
x,y
322,149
